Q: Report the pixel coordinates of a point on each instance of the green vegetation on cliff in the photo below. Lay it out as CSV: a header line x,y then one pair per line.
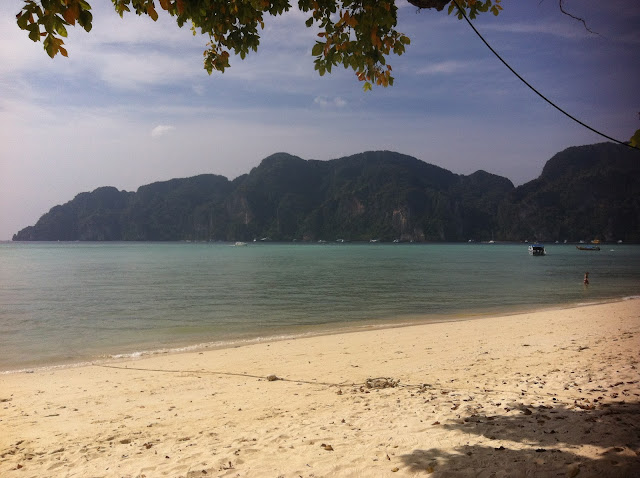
x,y
583,193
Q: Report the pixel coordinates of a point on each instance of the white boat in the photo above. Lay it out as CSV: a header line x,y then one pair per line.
x,y
537,250
239,243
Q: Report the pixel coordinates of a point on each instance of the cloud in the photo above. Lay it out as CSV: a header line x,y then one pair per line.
x,y
136,72
444,68
134,55
325,102
557,29
161,130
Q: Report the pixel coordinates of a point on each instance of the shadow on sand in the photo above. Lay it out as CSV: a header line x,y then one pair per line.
x,y
541,442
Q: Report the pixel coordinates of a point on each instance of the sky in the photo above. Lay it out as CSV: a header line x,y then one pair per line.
x,y
133,105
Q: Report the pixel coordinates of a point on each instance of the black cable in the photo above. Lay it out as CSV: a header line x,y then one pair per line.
x,y
532,88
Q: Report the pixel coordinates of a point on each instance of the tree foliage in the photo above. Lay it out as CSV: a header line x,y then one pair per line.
x,y
355,34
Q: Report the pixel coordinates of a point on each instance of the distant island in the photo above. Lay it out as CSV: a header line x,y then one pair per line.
x,y
584,193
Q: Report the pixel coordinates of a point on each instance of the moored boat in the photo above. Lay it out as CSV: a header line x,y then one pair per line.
x,y
537,250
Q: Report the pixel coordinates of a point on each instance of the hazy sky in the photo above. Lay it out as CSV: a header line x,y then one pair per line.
x,y
132,103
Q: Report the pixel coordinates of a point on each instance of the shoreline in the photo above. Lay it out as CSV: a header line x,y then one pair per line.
x,y
541,393
321,330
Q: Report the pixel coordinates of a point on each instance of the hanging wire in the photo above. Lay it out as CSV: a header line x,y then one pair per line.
x,y
533,89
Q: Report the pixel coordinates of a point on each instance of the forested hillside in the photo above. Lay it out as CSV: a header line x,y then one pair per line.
x,y
583,192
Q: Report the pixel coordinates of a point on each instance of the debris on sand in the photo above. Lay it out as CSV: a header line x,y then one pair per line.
x,y
381,382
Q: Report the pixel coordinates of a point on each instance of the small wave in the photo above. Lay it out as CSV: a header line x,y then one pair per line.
x,y
221,344
47,367
136,354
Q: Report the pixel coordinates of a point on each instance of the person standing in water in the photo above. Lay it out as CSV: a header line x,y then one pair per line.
x,y
586,278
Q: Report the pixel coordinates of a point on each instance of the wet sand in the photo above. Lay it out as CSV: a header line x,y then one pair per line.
x,y
550,393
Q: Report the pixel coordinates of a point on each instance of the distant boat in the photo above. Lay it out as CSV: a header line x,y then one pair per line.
x,y
588,248
537,250
239,243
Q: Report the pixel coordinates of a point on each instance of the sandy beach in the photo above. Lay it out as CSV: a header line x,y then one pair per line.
x,y
549,393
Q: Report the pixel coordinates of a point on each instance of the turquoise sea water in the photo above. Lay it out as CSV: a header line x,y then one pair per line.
x,y
64,303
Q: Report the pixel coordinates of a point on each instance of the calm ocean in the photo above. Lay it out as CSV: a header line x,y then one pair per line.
x,y
63,303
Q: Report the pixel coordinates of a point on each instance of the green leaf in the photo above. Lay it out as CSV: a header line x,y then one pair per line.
x,y
50,46
34,32
317,49
23,20
61,30
84,19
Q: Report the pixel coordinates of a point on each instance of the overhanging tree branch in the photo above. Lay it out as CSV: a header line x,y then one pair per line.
x,y
575,18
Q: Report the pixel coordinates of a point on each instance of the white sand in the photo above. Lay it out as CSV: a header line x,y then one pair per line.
x,y
552,393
